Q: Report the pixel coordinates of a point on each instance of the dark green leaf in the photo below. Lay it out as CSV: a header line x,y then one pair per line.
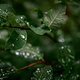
x,y
17,39
44,73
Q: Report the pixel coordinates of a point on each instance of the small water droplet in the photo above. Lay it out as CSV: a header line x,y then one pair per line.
x,y
61,75
62,47
23,36
46,12
3,74
13,45
28,54
17,53
21,17
61,39
28,23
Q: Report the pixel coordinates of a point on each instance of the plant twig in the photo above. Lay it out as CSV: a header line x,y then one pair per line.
x,y
31,65
15,27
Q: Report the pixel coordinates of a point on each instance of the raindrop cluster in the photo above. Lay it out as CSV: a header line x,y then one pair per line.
x,y
5,70
44,73
29,52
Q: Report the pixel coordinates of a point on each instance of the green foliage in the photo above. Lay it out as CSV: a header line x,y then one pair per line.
x,y
39,40
17,39
44,73
55,17
6,69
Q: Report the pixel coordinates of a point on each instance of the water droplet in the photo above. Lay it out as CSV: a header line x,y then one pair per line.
x,y
28,54
23,53
13,45
17,53
3,74
62,47
28,23
61,39
22,17
78,62
38,70
23,36
61,75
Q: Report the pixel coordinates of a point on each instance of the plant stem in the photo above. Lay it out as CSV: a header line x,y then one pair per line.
x,y
15,27
31,65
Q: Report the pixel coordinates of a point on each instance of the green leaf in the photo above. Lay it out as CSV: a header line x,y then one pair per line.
x,y
66,55
56,16
20,20
6,7
17,39
44,73
39,30
29,52
5,70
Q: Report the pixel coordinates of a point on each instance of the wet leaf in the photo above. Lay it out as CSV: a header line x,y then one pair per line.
x,y
44,73
5,70
29,53
17,39
66,55
55,17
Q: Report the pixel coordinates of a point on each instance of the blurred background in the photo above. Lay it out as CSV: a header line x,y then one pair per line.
x,y
63,39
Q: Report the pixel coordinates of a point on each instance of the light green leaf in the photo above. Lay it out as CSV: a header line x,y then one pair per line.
x,y
39,30
55,16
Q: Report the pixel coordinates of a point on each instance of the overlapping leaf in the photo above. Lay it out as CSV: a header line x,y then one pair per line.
x,y
17,39
5,70
44,73
29,52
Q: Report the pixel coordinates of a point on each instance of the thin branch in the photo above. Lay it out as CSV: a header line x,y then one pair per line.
x,y
16,27
31,65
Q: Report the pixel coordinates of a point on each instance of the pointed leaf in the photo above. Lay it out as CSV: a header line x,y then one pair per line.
x,y
39,30
55,16
17,39
29,52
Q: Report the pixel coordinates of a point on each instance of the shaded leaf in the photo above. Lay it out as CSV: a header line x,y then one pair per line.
x,y
17,39
44,73
5,70
66,55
